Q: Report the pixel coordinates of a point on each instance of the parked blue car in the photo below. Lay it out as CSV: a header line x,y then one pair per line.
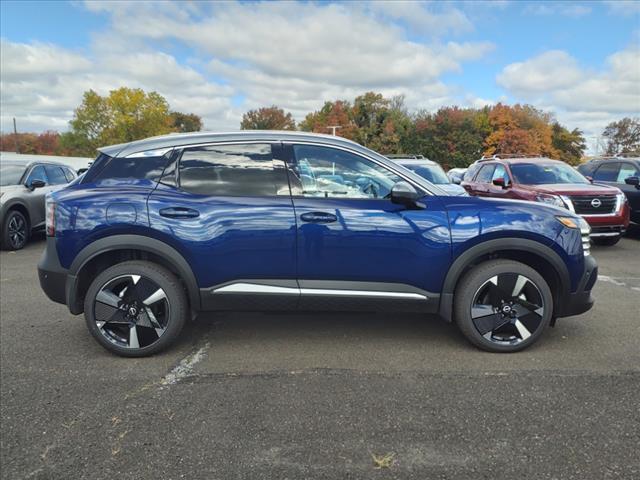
x,y
160,229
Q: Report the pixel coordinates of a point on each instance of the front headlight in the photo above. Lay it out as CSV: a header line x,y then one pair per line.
x,y
554,200
620,199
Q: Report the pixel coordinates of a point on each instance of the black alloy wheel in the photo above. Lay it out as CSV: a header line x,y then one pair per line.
x,y
503,305
16,232
135,308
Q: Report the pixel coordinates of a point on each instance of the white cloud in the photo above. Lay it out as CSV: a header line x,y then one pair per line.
x,y
295,55
583,98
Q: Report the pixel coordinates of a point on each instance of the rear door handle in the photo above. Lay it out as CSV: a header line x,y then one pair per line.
x,y
179,212
318,217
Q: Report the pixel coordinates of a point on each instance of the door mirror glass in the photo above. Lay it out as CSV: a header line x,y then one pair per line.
x,y
632,181
403,193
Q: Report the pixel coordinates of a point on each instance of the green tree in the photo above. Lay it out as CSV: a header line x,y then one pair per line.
x,y
623,136
185,122
267,118
570,144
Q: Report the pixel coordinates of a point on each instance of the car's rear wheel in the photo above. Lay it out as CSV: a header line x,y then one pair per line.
x,y
15,231
606,241
503,305
135,308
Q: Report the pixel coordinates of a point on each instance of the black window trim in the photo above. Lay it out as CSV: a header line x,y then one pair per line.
x,y
180,150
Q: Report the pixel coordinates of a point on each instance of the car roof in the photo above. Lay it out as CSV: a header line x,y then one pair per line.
x,y
30,163
196,138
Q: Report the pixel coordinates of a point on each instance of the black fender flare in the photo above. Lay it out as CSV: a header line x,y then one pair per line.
x,y
497,245
130,242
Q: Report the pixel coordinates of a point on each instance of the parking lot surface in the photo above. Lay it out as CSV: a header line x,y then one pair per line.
x,y
316,395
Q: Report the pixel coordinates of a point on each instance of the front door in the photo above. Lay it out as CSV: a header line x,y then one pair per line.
x,y
355,248
229,212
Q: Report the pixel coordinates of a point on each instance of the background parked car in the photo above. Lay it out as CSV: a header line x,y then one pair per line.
x,y
23,187
620,172
430,171
555,183
456,175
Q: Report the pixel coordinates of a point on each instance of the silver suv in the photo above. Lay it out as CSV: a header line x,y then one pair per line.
x,y
23,187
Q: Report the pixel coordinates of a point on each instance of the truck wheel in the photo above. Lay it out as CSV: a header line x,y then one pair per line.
x,y
606,241
503,306
15,231
135,308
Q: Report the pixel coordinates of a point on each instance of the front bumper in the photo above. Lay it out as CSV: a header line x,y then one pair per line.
x,y
609,225
581,300
53,277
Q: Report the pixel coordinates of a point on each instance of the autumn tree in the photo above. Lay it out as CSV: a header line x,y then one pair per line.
x,y
268,118
338,113
623,136
126,114
45,143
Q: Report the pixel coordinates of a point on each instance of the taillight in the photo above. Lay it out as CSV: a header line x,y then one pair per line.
x,y
51,218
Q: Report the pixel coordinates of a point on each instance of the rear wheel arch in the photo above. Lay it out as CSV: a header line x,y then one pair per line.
x,y
109,251
534,254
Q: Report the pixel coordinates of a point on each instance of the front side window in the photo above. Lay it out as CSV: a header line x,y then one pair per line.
x,y
607,172
55,174
486,174
232,170
626,170
500,172
545,174
37,173
331,173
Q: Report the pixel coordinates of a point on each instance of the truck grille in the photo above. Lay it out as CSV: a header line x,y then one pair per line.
x,y
594,204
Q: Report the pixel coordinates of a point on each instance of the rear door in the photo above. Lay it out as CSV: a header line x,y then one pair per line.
x,y
227,208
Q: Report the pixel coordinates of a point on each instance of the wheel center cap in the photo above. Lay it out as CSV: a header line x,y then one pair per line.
x,y
133,311
506,309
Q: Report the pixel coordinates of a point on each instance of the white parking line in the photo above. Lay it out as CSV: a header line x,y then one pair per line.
x,y
185,367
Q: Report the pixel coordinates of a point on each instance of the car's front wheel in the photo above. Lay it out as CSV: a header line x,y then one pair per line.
x,y
503,305
135,308
15,231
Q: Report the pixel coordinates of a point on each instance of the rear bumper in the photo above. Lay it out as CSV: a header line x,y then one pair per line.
x,y
53,277
581,300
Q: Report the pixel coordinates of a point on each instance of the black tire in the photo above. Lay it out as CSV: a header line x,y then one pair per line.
x,y
498,311
606,241
15,231
156,298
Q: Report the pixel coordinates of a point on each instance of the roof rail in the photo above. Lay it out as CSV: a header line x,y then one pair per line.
x,y
616,157
499,156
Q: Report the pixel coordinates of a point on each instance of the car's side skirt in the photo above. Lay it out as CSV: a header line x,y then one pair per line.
x,y
251,295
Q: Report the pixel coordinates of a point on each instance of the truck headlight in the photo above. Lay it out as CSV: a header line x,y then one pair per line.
x,y
554,200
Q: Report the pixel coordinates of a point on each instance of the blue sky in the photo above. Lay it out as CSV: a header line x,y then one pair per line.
x,y
579,60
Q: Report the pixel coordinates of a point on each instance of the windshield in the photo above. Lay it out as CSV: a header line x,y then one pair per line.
x,y
433,173
10,174
543,174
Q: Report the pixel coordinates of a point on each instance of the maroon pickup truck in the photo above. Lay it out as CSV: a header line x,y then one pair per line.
x,y
556,183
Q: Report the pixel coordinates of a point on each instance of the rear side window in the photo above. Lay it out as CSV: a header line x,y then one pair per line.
x,y
485,174
607,172
133,168
232,170
471,172
69,174
55,174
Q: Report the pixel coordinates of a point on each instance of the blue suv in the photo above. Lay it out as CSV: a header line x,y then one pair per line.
x,y
160,229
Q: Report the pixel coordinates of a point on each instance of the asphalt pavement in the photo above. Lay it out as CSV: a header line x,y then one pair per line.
x,y
297,396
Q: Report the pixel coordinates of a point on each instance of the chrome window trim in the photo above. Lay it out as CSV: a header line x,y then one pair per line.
x,y
157,152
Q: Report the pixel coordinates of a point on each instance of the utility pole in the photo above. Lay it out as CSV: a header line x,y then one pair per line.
x,y
15,135
333,129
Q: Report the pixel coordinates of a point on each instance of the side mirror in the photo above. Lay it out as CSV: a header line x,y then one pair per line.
x,y
632,181
403,193
36,184
456,180
589,178
499,182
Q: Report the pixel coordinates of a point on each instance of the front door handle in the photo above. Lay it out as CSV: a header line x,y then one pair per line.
x,y
318,217
179,212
